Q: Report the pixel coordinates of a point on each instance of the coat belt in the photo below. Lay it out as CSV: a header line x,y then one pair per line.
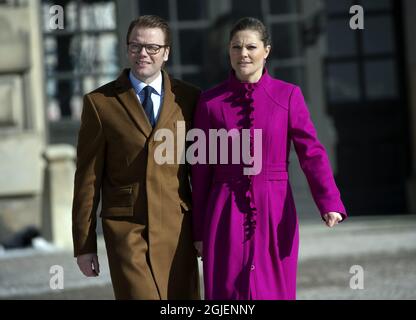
x,y
269,172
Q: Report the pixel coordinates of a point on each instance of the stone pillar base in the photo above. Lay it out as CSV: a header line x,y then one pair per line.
x,y
58,194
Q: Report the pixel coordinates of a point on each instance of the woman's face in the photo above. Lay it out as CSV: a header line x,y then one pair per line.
x,y
247,55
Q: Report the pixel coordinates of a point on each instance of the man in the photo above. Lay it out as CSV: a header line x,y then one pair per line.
x,y
145,205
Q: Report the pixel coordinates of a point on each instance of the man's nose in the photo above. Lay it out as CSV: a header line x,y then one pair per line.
x,y
142,51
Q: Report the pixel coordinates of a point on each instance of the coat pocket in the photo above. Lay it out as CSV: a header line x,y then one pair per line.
x,y
119,201
277,171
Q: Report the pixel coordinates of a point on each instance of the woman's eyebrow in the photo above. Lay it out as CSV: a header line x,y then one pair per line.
x,y
247,44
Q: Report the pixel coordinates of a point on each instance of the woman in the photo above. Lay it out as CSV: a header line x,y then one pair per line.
x,y
245,226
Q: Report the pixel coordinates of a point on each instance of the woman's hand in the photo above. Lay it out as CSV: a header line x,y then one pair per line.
x,y
198,247
332,218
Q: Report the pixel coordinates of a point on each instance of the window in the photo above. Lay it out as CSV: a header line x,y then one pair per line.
x,y
188,22
80,57
200,36
361,65
284,20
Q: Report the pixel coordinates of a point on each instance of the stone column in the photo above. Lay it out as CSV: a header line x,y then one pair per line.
x,y
58,194
22,120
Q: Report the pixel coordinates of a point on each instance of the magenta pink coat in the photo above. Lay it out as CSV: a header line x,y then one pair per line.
x,y
248,224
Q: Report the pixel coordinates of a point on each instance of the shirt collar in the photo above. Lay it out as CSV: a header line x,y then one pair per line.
x,y
139,85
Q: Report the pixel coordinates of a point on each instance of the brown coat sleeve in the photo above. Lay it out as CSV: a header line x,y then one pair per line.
x,y
88,176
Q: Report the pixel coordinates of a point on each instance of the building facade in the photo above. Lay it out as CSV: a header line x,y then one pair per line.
x,y
360,85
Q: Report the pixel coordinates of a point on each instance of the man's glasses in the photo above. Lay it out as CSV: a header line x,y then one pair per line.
x,y
150,47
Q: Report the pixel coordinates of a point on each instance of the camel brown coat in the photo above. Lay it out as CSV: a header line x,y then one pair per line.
x,y
145,206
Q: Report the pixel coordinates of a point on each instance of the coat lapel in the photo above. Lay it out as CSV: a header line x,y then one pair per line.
x,y
128,98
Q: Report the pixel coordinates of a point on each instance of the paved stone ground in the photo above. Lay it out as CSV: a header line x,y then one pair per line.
x,y
386,276
26,274
385,248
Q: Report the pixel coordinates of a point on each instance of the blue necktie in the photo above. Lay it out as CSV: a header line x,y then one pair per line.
x,y
148,104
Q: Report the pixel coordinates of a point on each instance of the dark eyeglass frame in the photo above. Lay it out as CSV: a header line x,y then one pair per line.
x,y
148,47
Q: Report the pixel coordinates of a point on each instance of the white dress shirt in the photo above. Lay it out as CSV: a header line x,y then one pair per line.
x,y
157,93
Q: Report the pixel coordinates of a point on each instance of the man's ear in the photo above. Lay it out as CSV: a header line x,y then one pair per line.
x,y
166,54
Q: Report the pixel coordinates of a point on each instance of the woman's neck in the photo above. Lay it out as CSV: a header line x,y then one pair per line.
x,y
252,78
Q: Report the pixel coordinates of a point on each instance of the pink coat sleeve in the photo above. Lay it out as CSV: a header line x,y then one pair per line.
x,y
201,174
312,156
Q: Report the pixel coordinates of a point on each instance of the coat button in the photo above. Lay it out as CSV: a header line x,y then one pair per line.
x,y
252,267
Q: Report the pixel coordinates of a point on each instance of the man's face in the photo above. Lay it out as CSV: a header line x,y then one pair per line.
x,y
145,66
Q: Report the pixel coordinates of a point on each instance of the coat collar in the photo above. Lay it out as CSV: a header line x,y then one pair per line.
x,y
236,85
128,98
138,85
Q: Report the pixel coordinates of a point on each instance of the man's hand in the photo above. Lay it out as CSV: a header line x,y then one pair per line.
x,y
198,247
332,218
88,264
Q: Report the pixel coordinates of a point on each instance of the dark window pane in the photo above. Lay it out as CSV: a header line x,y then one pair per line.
x,y
159,8
192,43
290,74
172,53
343,82
284,6
63,94
378,35
285,40
336,6
197,79
380,79
246,8
341,39
375,4
390,169
64,49
191,9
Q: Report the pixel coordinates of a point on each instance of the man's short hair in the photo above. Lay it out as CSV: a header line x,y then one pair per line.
x,y
151,21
